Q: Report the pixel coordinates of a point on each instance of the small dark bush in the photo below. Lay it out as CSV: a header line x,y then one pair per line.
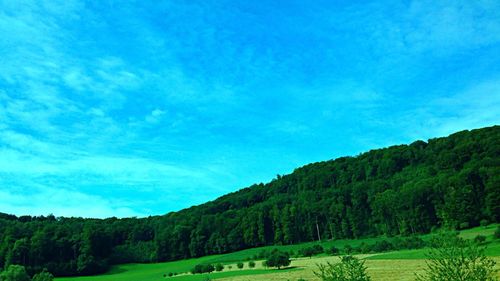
x,y
348,249
251,264
311,251
219,267
202,268
240,265
333,251
480,239
382,246
497,233
484,222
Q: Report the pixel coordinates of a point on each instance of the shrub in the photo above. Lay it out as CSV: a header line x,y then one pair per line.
x,y
311,251
202,268
348,269
484,222
363,248
497,233
480,239
240,265
333,251
457,259
278,259
251,264
413,242
219,267
170,274
348,249
382,246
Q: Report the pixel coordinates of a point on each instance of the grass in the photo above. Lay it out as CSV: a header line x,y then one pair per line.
x,y
397,265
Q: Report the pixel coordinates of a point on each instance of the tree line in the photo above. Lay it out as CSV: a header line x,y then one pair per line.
x,y
451,182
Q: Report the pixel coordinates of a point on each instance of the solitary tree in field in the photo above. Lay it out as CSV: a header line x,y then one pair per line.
x,y
278,259
348,269
14,273
455,259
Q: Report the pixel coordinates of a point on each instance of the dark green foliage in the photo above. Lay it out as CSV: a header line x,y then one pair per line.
x,y
348,249
348,269
219,267
333,251
14,273
453,258
202,268
400,190
497,233
278,259
480,239
43,276
251,264
240,265
311,251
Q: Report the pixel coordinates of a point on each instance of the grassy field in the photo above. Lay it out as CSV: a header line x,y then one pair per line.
x,y
397,265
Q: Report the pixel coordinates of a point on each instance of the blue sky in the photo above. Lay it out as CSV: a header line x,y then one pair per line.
x,y
136,108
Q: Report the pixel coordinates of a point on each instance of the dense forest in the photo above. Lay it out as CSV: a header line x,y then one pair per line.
x,y
401,190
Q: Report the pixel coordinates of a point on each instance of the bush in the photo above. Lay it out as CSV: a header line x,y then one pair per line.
x,y
457,259
311,251
348,269
251,264
363,248
333,251
484,222
202,268
278,259
240,265
348,249
382,246
219,267
480,239
497,233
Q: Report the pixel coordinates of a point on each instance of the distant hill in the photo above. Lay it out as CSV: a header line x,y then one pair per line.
x,y
399,190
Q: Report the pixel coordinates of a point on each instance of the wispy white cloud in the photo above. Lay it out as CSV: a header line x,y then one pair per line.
x,y
149,98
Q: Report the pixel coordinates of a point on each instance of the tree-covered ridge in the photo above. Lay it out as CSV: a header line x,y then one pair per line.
x,y
400,190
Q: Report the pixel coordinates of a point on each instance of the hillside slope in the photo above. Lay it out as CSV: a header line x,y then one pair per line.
x,y
404,189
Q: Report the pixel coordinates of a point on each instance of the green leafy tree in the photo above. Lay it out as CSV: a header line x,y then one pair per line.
x,y
455,259
14,273
219,267
278,259
348,269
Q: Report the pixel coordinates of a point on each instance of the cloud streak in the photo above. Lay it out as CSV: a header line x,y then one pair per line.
x,y
145,108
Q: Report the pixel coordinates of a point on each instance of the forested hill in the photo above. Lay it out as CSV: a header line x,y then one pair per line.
x,y
404,189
